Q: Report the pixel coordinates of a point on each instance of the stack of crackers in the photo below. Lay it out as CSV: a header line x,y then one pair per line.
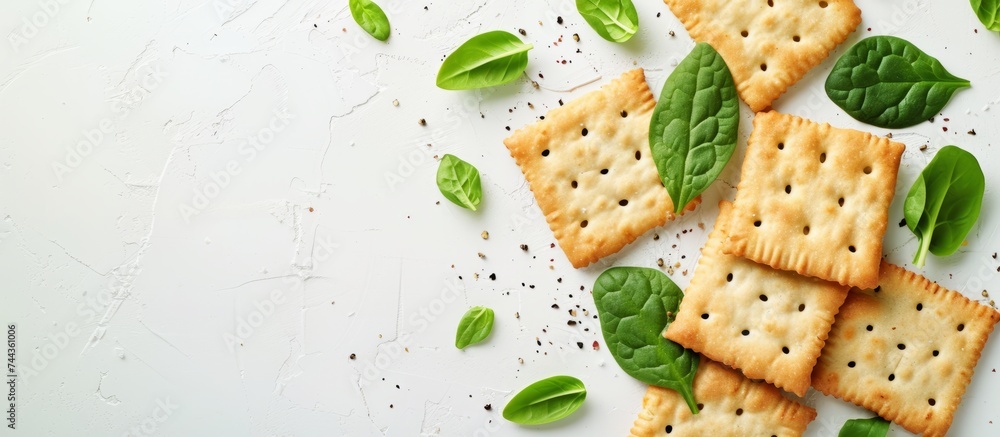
x,y
791,291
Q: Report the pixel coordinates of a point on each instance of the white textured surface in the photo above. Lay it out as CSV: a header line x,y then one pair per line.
x,y
319,226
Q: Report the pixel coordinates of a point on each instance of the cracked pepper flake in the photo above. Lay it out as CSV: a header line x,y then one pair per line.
x,y
354,356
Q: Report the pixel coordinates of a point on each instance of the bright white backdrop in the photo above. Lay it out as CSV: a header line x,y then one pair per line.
x,y
208,208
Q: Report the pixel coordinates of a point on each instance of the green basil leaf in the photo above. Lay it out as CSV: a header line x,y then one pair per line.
x,y
636,305
490,59
475,326
613,20
694,126
546,401
874,427
944,202
370,17
888,82
459,182
988,12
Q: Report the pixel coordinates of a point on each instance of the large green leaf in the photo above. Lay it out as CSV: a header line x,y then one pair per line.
x,y
944,202
888,82
636,305
694,126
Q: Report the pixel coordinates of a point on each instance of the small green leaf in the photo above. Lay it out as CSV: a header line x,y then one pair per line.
x,y
475,326
693,130
874,427
370,17
459,182
613,20
888,82
944,202
546,401
988,12
636,305
490,59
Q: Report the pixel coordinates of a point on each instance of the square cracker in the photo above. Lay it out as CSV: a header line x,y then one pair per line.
x,y
905,350
777,310
731,405
814,199
768,45
591,169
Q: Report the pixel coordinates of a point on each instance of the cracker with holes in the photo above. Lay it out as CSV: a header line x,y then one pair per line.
x,y
770,324
591,170
768,45
814,199
730,404
905,350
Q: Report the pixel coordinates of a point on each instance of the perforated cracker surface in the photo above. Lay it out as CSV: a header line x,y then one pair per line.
x,y
731,405
770,324
814,199
768,44
590,168
905,350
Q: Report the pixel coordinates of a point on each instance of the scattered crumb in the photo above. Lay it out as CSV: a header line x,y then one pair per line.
x,y
659,262
576,37
972,132
422,122
522,32
524,247
671,33
485,235
395,102
353,356
482,255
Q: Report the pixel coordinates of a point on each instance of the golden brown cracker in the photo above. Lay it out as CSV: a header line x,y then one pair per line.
x,y
768,45
814,199
770,324
590,168
730,403
905,350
